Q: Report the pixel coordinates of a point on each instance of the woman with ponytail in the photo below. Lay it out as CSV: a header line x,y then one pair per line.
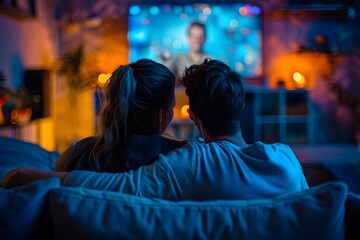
x,y
139,101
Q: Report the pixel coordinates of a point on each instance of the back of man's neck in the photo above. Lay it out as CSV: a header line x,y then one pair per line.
x,y
236,139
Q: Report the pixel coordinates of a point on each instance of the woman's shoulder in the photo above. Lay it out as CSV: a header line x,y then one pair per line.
x,y
85,141
82,145
169,143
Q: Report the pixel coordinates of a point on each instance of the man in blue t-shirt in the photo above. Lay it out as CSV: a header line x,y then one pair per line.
x,y
224,167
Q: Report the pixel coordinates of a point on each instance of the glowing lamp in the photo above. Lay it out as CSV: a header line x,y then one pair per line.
x,y
103,78
299,79
184,113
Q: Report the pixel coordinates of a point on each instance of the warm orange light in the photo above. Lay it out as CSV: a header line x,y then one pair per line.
x,y
103,78
14,115
311,65
299,79
176,113
297,76
184,113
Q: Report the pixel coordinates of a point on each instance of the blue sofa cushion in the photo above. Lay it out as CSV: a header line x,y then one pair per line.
x,y
24,210
316,213
16,154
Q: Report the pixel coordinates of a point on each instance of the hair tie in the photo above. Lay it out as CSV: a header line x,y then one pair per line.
x,y
207,60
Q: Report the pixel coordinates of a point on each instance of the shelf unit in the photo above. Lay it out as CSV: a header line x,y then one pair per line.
x,y
280,115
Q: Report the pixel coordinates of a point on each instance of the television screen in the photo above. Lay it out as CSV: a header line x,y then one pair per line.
x,y
233,33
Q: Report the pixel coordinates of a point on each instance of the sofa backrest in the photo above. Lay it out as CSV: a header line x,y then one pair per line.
x,y
317,213
24,210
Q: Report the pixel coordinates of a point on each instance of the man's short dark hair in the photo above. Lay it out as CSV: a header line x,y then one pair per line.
x,y
216,96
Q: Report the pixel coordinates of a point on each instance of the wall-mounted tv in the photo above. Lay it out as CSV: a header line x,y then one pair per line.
x,y
233,33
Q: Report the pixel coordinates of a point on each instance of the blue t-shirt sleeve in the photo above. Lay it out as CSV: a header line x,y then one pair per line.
x,y
297,167
169,177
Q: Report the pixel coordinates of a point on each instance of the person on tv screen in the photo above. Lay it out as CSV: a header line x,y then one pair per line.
x,y
224,167
196,36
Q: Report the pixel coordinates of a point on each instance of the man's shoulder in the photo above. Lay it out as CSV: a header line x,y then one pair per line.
x,y
196,150
276,145
280,146
268,150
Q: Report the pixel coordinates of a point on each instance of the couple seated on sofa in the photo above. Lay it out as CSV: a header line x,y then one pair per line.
x,y
131,155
